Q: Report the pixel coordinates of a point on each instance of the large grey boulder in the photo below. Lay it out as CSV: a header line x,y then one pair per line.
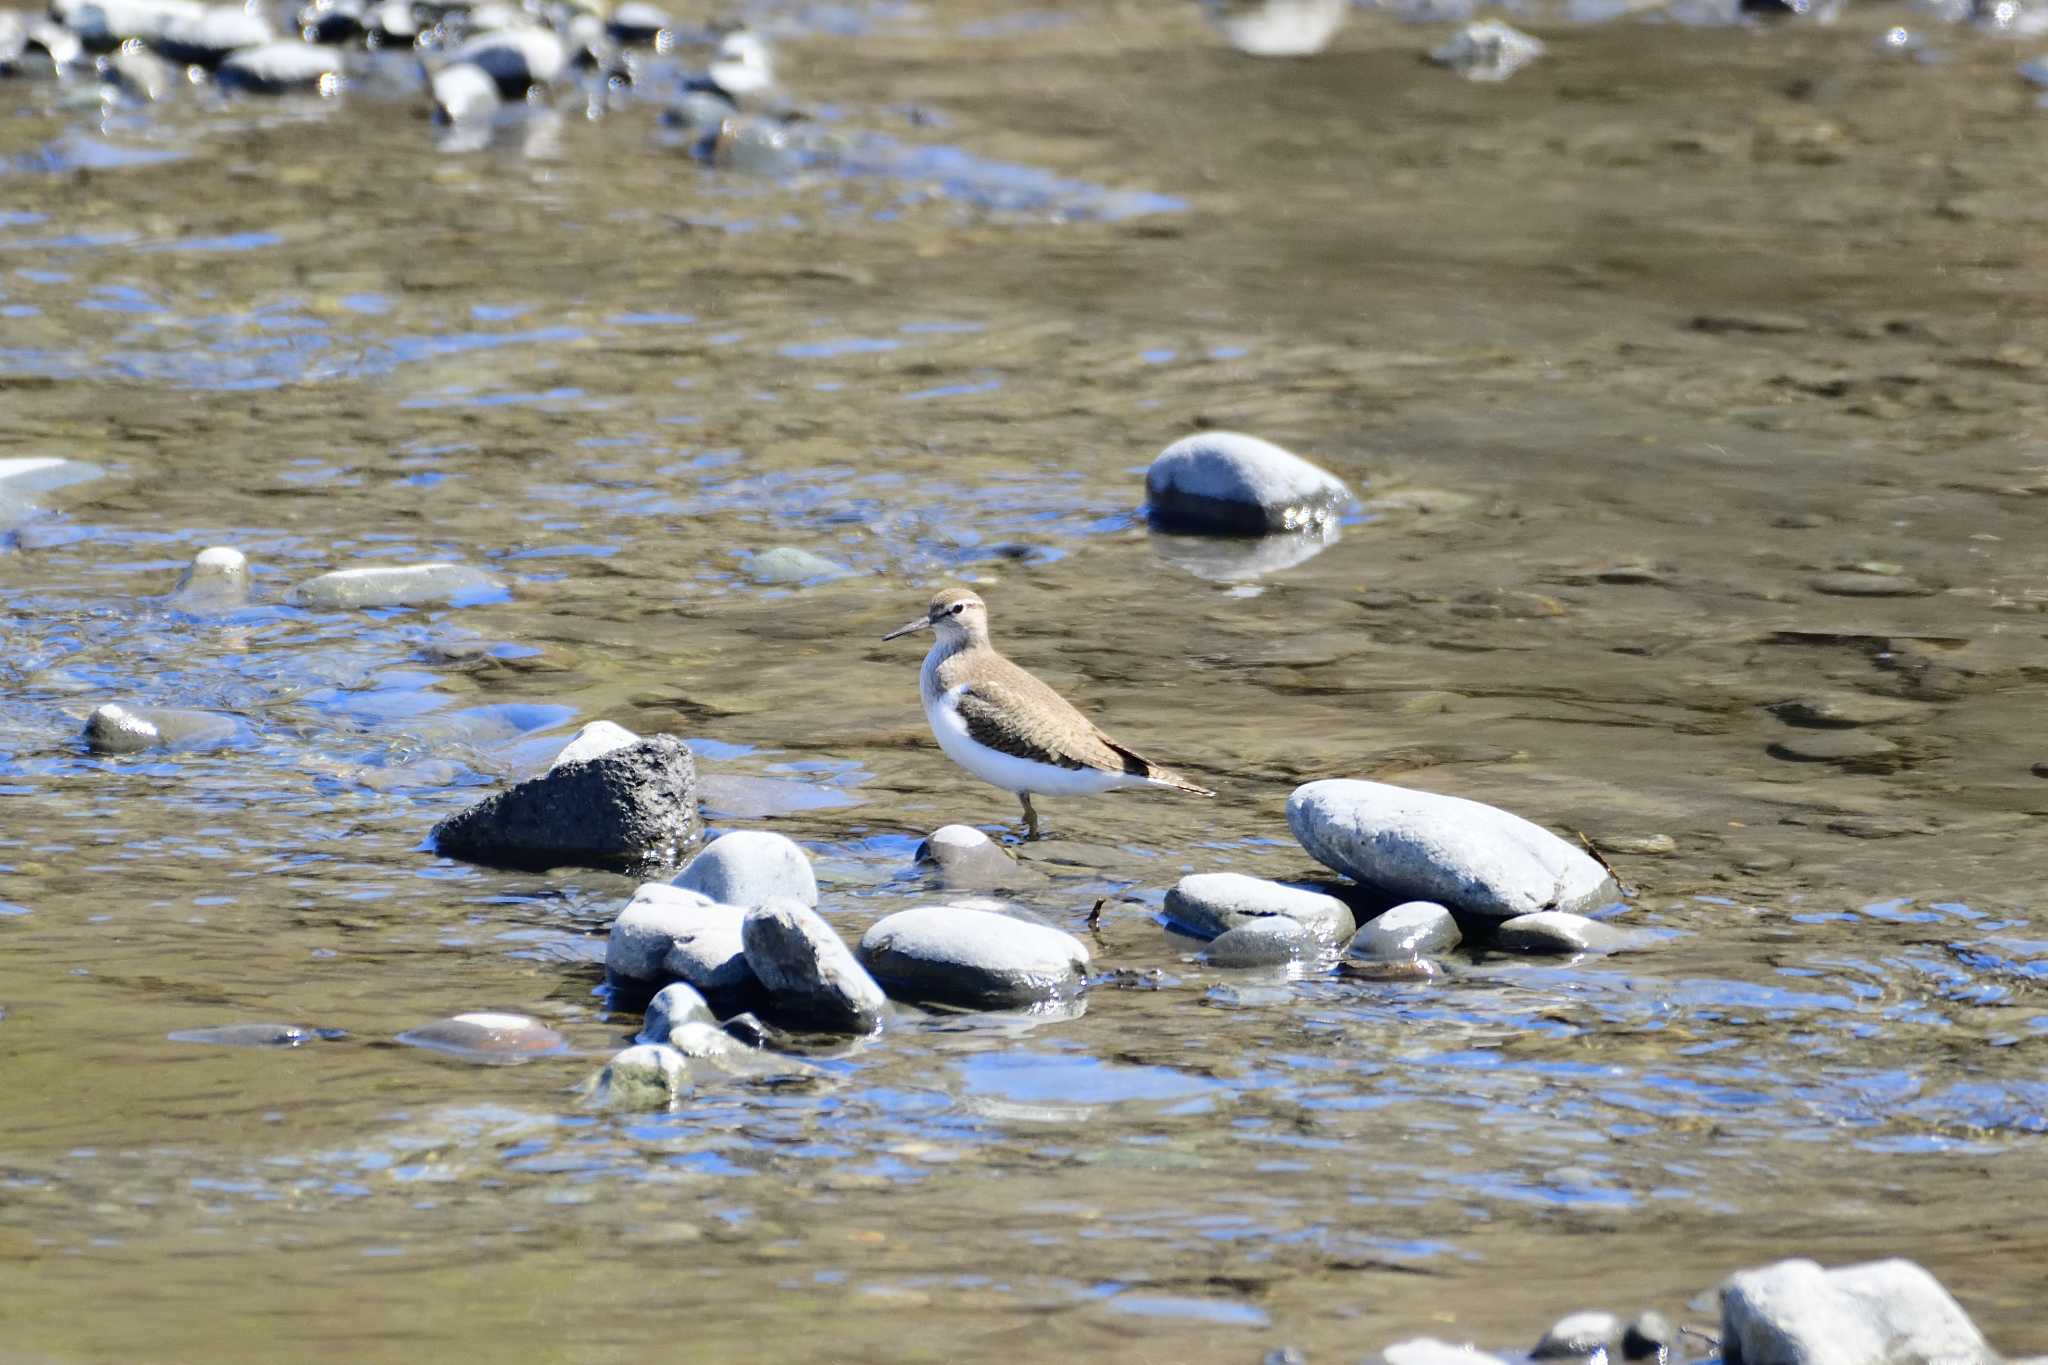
x,y
1410,930
394,585
1222,482
751,867
1880,1313
631,807
811,976
665,934
117,729
954,955
1474,858
1211,903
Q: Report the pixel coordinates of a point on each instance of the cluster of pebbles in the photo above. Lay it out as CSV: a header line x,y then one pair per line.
x,y
476,61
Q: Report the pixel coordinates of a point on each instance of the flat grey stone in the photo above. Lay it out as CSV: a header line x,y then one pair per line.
x,y
248,1035
1852,583
217,579
965,859
1844,709
283,68
811,975
665,934
1487,51
594,740
1211,903
403,585
1557,932
956,955
631,807
644,1076
1474,858
788,564
675,1004
1833,746
1414,929
1796,1313
118,729
751,867
1223,482
1579,1335
515,58
487,1037
1269,941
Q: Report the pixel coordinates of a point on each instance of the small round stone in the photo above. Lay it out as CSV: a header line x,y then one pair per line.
x,y
487,1036
1211,903
673,1006
1409,930
751,867
978,959
644,1076
1267,942
1579,1335
1557,932
1229,483
217,579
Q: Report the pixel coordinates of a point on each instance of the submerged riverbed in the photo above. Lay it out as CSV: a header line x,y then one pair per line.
x,y
1691,381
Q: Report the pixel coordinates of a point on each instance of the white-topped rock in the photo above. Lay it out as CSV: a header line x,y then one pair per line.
x,y
283,68
1557,933
487,1036
594,740
1796,1313
217,579
666,934
1224,482
516,58
1487,51
1269,941
1410,930
397,585
464,92
957,955
1580,1335
751,867
965,859
1277,28
812,978
117,729
673,1006
1211,903
1474,858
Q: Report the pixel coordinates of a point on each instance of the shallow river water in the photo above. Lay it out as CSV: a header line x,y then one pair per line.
x,y
1630,358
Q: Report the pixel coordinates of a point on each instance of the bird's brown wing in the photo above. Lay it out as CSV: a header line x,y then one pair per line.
x,y
1012,712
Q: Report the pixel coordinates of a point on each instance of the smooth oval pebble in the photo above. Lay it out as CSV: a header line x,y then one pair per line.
x,y
1229,483
117,729
216,579
1578,1335
644,1076
751,867
673,1006
1557,932
1268,942
396,585
978,959
1410,930
487,1037
464,91
1212,903
278,68
667,934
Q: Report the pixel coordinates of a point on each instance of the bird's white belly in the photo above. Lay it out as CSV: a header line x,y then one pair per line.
x,y
1007,770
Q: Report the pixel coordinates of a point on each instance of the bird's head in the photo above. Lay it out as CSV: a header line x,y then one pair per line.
x,y
955,616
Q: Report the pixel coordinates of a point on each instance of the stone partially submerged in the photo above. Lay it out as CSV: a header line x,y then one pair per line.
x,y
668,935
976,959
117,729
628,808
751,867
1225,483
1796,1313
401,585
1473,858
217,579
1211,903
812,978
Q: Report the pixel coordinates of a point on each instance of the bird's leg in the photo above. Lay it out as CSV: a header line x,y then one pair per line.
x,y
1030,816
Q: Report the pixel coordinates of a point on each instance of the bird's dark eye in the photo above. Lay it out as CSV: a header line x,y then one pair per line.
x,y
959,607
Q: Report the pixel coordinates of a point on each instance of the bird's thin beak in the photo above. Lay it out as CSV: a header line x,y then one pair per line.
x,y
921,623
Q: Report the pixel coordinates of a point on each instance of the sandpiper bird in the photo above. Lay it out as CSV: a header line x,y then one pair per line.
x,y
1008,728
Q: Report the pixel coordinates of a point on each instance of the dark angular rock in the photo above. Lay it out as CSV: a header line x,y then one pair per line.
x,y
633,807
